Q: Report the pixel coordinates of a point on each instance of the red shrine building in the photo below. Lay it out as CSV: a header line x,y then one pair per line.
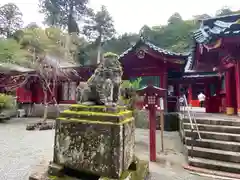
x,y
154,64
28,89
214,67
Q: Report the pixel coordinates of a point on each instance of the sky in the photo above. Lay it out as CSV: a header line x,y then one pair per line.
x,y
130,15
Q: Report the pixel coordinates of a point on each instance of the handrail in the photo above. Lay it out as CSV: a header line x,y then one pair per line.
x,y
191,116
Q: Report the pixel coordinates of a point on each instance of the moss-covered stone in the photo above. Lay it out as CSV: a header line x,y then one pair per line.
x,y
80,107
100,146
99,116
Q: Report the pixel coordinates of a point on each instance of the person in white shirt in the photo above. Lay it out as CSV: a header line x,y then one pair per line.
x,y
201,98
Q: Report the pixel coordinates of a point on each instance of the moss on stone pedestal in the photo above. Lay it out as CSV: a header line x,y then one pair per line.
x,y
99,142
80,107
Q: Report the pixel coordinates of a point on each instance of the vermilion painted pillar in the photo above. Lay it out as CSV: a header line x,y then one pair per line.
x,y
229,95
189,94
152,134
237,77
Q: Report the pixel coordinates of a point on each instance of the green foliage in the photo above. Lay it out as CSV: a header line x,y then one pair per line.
x,y
176,36
10,19
175,18
50,41
11,52
120,44
126,84
110,55
131,85
64,13
99,27
136,84
6,101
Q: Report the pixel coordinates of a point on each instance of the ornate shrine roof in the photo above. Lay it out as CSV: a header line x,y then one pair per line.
x,y
154,48
210,33
213,28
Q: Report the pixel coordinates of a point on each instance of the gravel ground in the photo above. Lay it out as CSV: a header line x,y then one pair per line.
x,y
21,151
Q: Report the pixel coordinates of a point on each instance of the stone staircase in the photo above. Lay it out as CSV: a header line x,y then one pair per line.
x,y
219,148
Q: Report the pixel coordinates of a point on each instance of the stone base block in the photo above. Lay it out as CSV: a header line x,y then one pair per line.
x,y
94,139
40,126
141,172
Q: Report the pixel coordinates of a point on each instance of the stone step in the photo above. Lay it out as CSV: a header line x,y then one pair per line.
x,y
215,121
214,165
214,144
214,135
214,154
214,128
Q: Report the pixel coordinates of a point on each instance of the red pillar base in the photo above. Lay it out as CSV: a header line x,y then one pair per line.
x,y
152,135
229,92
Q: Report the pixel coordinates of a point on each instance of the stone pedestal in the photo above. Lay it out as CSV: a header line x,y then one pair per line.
x,y
95,139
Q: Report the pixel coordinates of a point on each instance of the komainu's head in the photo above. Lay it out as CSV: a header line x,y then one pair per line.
x,y
110,60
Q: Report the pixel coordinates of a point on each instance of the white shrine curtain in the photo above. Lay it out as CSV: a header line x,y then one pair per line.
x,y
72,90
65,91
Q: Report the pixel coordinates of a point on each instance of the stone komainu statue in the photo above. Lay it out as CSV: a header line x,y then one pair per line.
x,y
103,87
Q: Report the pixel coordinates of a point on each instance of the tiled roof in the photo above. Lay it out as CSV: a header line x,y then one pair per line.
x,y
212,29
154,48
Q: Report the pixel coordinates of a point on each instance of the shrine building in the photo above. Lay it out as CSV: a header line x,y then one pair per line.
x,y
154,64
214,66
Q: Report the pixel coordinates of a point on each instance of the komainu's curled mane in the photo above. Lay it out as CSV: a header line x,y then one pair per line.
x,y
103,87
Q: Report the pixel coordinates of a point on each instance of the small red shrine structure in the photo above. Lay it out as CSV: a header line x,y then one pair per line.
x,y
150,62
64,91
28,88
152,94
217,50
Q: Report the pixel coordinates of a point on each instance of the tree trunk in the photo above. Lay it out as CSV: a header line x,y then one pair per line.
x,y
99,44
45,105
99,54
52,94
70,18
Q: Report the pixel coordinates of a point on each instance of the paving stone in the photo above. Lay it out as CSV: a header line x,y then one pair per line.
x,y
22,150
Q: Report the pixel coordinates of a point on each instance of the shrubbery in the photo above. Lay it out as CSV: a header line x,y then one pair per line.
x,y
6,101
